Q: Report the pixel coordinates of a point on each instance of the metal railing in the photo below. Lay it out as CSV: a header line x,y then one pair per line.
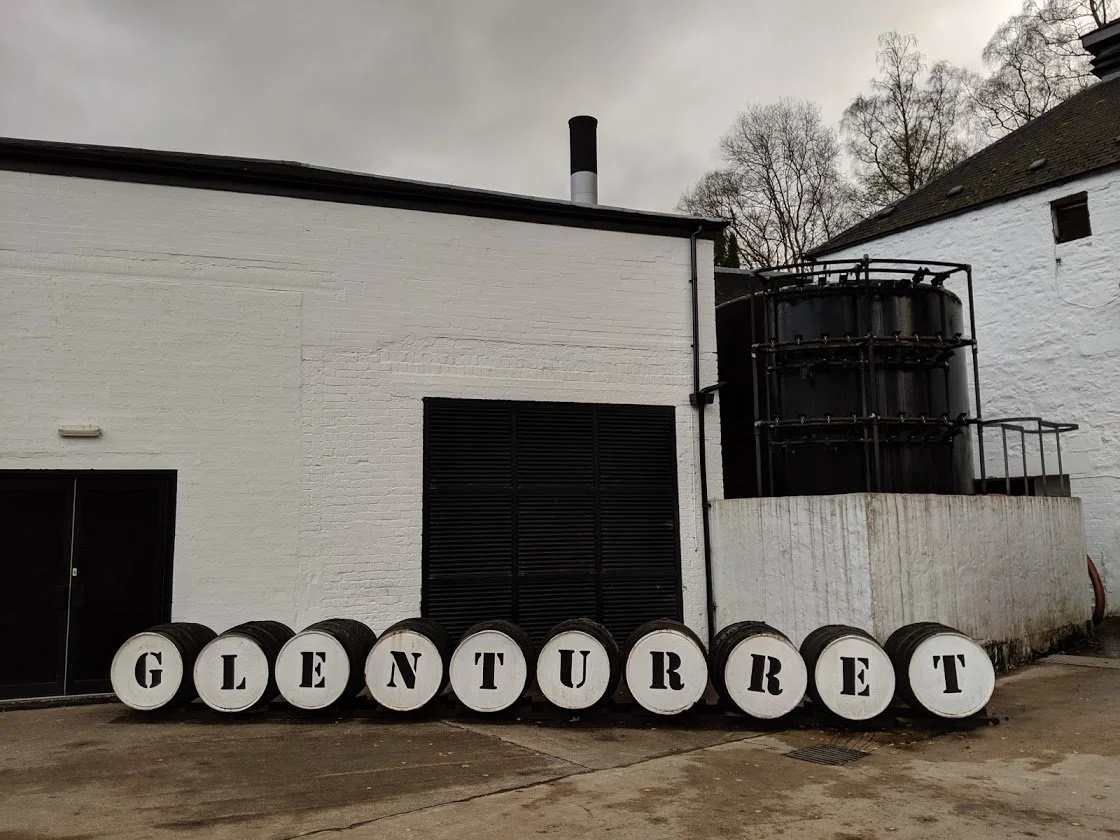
x,y
1026,428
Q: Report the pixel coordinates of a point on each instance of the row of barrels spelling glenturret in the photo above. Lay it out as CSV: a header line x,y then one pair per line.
x,y
579,666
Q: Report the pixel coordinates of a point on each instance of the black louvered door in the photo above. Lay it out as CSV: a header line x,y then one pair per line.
x,y
540,512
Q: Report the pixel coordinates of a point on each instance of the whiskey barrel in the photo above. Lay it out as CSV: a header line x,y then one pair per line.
x,y
849,673
492,665
154,669
234,672
666,668
324,663
941,670
407,668
579,665
758,670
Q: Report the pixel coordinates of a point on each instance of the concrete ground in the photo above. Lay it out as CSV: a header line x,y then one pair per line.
x,y
1051,768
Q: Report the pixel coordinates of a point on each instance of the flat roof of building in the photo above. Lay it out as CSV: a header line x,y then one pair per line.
x,y
318,183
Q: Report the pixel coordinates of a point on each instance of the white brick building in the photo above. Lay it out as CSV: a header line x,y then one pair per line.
x,y
257,341
1037,214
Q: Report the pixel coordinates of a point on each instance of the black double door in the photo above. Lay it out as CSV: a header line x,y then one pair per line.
x,y
539,512
85,562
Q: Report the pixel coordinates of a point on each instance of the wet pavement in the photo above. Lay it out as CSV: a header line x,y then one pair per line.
x,y
1050,768
1105,640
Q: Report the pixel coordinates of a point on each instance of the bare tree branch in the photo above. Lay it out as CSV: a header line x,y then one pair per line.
x,y
782,186
1035,61
910,127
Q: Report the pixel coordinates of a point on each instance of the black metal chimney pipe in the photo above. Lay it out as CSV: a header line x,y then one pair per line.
x,y
585,163
1104,45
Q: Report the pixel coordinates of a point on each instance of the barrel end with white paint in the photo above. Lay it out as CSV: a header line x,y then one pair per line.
x,y
154,669
758,670
666,667
323,663
579,666
940,670
234,672
492,666
849,672
407,668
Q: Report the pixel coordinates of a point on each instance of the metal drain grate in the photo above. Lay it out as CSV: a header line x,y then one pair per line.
x,y
1084,661
827,754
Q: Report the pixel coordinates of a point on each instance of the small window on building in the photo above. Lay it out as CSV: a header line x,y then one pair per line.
x,y
1071,217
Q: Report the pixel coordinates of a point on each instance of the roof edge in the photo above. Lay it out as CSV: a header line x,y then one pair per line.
x,y
827,247
315,183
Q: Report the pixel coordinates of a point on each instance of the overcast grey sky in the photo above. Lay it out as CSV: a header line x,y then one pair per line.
x,y
472,92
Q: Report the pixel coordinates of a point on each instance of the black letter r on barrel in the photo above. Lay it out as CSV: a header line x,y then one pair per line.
x,y
666,664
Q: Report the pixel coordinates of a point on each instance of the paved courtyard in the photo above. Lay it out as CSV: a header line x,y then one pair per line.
x,y
1050,768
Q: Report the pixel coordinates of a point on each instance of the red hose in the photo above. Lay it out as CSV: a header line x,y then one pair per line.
x,y
1098,591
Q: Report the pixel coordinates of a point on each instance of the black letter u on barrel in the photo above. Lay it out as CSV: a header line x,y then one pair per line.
x,y
566,662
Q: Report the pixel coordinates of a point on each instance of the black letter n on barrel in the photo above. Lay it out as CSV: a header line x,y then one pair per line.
x,y
407,669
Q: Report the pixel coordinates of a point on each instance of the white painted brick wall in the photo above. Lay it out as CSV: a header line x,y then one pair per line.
x,y
1048,326
276,351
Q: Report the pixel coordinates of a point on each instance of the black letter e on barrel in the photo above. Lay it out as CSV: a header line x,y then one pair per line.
x,y
848,665
312,668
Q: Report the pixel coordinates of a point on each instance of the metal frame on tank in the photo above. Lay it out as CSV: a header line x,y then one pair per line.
x,y
872,350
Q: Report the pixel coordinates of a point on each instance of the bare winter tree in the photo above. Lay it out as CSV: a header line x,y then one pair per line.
x,y
910,128
1035,61
782,186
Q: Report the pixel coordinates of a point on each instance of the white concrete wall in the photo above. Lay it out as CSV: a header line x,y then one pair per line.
x,y
1048,326
276,351
1007,570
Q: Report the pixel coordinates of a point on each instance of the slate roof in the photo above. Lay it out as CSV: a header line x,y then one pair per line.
x,y
1079,137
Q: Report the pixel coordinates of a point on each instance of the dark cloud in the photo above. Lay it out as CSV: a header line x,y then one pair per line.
x,y
472,92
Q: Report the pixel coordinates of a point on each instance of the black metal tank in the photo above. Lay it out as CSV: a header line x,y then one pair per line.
x,y
840,381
